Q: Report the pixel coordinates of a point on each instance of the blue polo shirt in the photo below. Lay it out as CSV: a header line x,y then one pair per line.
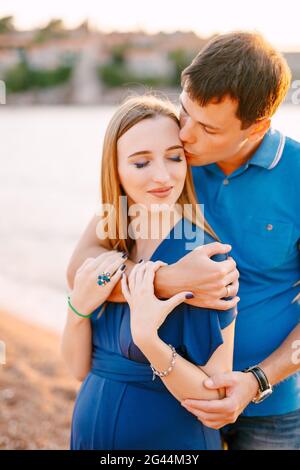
x,y
256,209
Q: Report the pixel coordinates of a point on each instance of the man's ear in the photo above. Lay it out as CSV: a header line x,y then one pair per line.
x,y
259,129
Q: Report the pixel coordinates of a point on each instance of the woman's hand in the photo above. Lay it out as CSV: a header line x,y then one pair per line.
x,y
147,312
87,294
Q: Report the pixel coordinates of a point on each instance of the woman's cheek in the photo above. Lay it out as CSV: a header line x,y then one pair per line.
x,y
179,174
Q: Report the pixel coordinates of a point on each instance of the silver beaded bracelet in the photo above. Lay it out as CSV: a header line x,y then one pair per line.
x,y
165,372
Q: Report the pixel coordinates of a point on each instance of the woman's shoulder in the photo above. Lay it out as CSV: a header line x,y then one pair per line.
x,y
203,238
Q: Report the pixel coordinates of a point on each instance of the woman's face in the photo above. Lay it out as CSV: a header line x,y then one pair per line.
x,y
151,162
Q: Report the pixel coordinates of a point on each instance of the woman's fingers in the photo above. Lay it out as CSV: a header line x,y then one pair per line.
x,y
177,299
142,275
132,275
124,286
117,275
139,276
109,263
105,258
151,268
111,267
149,278
84,264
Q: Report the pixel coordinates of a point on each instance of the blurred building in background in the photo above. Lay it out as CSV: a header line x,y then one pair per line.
x,y
55,65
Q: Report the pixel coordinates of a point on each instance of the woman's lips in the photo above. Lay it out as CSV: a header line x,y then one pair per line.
x,y
161,192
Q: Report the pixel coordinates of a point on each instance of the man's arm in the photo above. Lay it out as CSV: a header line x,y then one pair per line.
x,y
195,272
242,387
285,360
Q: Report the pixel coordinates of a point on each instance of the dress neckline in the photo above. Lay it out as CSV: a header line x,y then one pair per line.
x,y
167,237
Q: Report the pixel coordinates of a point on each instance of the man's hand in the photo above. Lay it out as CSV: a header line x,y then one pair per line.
x,y
196,272
241,388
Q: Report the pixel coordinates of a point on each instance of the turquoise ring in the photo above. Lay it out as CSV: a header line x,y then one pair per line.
x,y
103,279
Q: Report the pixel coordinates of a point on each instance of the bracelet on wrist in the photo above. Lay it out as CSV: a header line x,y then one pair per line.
x,y
75,311
165,372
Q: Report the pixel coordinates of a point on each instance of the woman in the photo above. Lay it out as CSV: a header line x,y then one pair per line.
x,y
122,347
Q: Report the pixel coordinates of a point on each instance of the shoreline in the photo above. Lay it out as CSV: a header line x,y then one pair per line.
x,y
37,392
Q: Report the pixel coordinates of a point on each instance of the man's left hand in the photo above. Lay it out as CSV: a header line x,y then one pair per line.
x,y
241,388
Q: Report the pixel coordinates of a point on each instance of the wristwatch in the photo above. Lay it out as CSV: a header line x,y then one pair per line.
x,y
265,388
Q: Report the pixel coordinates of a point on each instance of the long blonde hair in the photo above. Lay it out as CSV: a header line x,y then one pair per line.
x,y
131,112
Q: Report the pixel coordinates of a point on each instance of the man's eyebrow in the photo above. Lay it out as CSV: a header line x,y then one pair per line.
x,y
199,122
147,152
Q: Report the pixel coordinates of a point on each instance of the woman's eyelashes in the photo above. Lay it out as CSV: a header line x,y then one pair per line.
x,y
141,165
177,158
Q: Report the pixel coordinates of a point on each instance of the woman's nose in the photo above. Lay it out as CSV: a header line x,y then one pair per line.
x,y
161,174
187,133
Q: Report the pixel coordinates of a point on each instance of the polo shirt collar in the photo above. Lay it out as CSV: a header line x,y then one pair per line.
x,y
267,155
270,150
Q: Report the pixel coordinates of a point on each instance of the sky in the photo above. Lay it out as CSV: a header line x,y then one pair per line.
x,y
278,21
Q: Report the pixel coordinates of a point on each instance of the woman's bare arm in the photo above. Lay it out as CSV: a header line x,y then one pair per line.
x,y
86,297
76,345
186,379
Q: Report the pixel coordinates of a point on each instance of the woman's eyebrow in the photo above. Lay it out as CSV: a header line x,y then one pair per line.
x,y
175,147
147,152
141,152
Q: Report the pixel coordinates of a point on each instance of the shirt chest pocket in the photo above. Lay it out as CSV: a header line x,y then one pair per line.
x,y
267,242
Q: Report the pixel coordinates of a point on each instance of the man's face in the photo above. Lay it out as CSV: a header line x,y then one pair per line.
x,y
211,133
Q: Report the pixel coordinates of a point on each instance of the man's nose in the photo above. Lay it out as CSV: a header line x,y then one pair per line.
x,y
187,133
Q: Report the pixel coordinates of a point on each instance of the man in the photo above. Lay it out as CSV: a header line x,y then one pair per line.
x,y
247,176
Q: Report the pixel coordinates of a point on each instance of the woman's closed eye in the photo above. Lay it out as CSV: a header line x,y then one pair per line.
x,y
141,164
176,158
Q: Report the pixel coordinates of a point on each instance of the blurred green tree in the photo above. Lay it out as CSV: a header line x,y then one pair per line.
x,y
7,24
54,29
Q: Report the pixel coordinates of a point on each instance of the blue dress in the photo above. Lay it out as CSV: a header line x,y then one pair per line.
x,y
118,405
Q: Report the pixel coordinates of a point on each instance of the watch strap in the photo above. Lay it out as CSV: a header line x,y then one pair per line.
x,y
261,377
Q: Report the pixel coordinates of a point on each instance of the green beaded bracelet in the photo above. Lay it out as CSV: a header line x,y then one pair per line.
x,y
77,313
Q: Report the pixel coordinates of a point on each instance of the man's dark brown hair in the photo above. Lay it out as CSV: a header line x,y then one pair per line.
x,y
243,66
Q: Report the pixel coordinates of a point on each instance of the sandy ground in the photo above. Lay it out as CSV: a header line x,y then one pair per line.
x,y
37,392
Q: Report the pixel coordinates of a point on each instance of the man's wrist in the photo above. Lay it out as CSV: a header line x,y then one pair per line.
x,y
268,370
253,385
164,282
264,387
